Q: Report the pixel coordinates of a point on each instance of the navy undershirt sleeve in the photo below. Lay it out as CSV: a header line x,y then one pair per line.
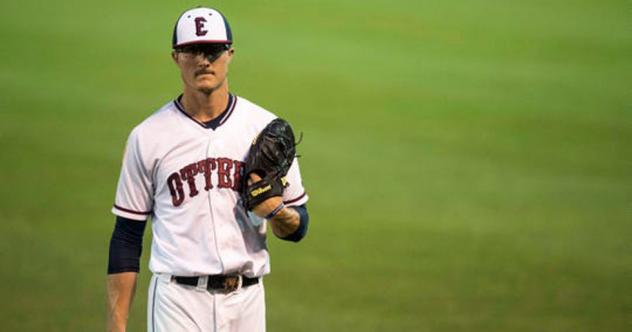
x,y
300,232
126,245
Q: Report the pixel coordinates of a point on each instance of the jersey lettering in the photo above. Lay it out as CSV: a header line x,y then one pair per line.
x,y
199,25
207,166
188,174
227,172
175,188
224,166
237,166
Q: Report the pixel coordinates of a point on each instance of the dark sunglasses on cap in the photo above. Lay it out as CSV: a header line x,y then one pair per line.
x,y
210,51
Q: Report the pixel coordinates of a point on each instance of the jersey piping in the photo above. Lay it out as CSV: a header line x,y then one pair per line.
x,y
216,122
131,211
294,199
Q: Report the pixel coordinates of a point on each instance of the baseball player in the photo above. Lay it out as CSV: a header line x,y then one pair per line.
x,y
184,166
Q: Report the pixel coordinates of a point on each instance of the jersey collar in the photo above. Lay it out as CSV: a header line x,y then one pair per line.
x,y
216,122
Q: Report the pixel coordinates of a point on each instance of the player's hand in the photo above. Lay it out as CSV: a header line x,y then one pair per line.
x,y
270,157
267,206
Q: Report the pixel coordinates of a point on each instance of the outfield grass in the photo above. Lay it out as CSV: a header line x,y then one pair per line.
x,y
468,162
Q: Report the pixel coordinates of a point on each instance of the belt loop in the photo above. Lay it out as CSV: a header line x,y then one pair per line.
x,y
202,283
164,276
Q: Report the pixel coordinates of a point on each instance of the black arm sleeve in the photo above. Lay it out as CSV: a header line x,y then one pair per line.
x,y
126,245
300,232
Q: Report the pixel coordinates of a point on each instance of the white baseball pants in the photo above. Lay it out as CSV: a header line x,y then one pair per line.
x,y
173,307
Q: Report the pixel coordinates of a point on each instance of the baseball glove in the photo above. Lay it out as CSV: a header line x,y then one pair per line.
x,y
270,157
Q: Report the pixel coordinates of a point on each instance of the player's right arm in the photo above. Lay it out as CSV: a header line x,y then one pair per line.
x,y
133,205
121,288
123,266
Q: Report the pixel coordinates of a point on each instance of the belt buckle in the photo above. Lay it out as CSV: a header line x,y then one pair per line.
x,y
232,283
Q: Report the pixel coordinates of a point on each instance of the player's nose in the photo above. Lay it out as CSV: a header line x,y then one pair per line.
x,y
202,60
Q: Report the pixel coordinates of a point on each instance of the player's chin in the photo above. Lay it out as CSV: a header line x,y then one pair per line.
x,y
205,86
208,86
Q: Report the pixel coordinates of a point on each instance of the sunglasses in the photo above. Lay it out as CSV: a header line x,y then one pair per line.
x,y
210,51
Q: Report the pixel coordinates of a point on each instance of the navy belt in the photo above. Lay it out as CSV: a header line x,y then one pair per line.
x,y
219,282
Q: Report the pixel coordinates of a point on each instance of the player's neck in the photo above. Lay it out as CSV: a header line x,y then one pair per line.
x,y
205,107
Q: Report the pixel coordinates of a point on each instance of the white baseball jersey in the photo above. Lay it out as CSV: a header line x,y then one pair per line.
x,y
187,178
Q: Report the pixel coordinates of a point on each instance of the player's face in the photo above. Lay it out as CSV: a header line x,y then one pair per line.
x,y
203,67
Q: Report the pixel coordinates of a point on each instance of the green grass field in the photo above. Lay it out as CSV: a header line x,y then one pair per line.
x,y
469,162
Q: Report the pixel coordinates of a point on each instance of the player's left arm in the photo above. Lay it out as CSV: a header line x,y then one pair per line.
x,y
284,224
287,222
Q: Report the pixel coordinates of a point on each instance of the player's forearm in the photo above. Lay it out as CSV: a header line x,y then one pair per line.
x,y
120,291
285,222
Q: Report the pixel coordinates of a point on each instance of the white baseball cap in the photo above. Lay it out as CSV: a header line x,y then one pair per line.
x,y
201,26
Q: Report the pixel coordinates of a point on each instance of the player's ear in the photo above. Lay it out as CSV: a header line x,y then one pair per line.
x,y
174,56
230,52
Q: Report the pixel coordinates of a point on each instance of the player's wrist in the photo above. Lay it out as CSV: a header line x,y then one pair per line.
x,y
287,217
285,222
266,207
285,213
276,211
